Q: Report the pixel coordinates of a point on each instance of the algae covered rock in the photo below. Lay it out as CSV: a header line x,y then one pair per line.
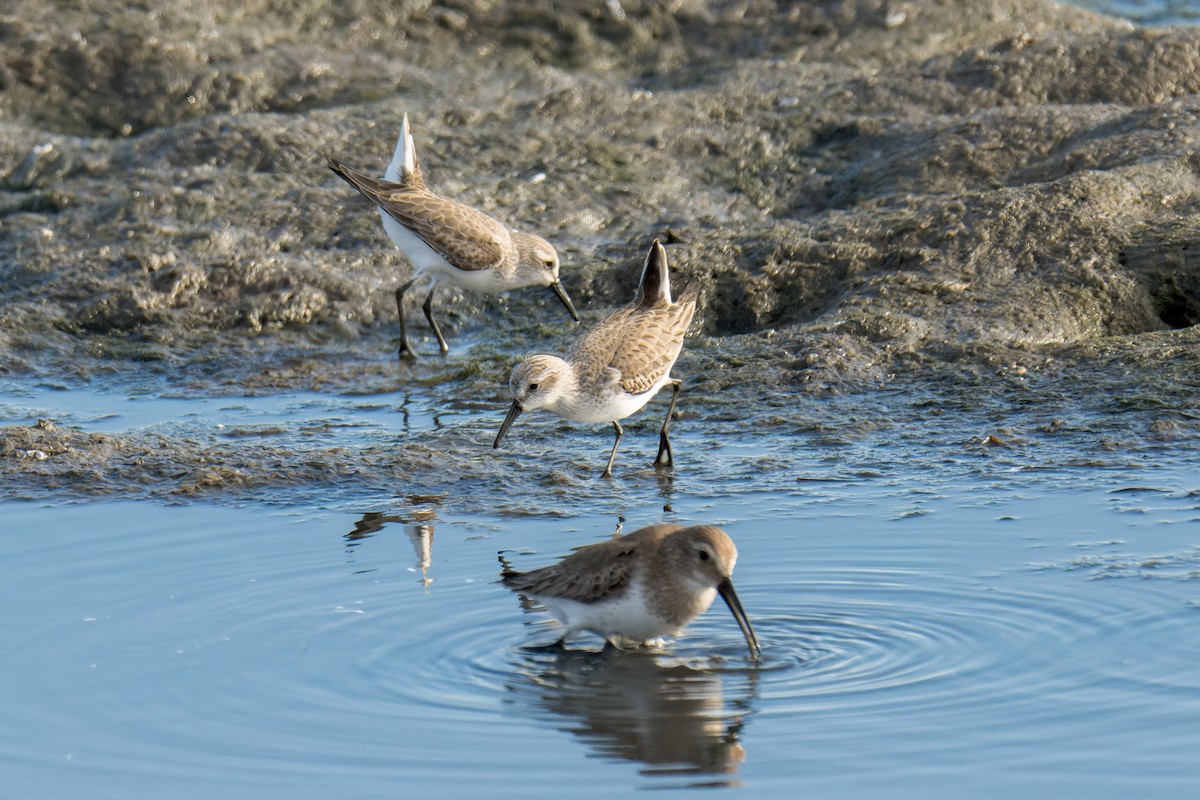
x,y
877,185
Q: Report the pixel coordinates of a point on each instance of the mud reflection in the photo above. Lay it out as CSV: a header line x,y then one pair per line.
x,y
673,718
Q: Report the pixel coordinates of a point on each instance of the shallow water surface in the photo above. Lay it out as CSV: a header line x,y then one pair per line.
x,y
1147,12
109,409
958,642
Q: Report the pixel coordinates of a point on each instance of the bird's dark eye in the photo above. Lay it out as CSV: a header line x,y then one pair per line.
x,y
533,387
549,264
704,555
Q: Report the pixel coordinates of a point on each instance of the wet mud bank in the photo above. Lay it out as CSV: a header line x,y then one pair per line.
x,y
874,196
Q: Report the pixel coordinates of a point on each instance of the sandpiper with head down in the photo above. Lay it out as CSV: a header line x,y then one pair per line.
x,y
636,588
448,241
616,367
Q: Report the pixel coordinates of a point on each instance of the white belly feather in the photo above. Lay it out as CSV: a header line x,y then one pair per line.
x,y
625,617
428,262
610,403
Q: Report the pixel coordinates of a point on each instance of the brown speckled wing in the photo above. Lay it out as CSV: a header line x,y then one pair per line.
x,y
595,347
652,342
593,572
590,574
468,239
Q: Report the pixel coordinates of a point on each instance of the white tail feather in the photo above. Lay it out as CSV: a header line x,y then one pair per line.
x,y
660,281
404,159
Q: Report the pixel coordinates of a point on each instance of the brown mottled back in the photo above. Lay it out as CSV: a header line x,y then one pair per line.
x,y
644,341
591,573
468,239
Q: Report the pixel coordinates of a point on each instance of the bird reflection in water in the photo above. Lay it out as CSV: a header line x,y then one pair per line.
x,y
673,718
418,525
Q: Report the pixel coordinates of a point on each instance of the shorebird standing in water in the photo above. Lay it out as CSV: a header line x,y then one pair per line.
x,y
639,587
616,367
447,241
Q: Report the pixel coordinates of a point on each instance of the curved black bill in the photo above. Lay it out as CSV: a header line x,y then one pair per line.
x,y
561,293
725,589
513,412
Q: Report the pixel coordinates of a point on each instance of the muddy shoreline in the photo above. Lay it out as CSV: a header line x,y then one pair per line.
x,y
872,195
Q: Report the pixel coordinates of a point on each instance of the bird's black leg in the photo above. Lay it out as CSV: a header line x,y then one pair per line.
x,y
429,316
613,455
406,350
664,458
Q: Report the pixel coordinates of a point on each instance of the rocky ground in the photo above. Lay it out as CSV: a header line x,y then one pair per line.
x,y
867,191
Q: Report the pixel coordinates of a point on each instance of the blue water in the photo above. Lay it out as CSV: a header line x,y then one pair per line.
x,y
960,642
1148,12
113,409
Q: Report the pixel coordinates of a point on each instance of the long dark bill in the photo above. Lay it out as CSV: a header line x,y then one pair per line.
x,y
513,412
725,589
561,293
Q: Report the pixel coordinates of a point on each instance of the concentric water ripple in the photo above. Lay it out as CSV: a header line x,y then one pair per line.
x,y
857,646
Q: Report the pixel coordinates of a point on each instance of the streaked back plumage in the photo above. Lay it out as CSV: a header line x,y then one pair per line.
x,y
643,340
